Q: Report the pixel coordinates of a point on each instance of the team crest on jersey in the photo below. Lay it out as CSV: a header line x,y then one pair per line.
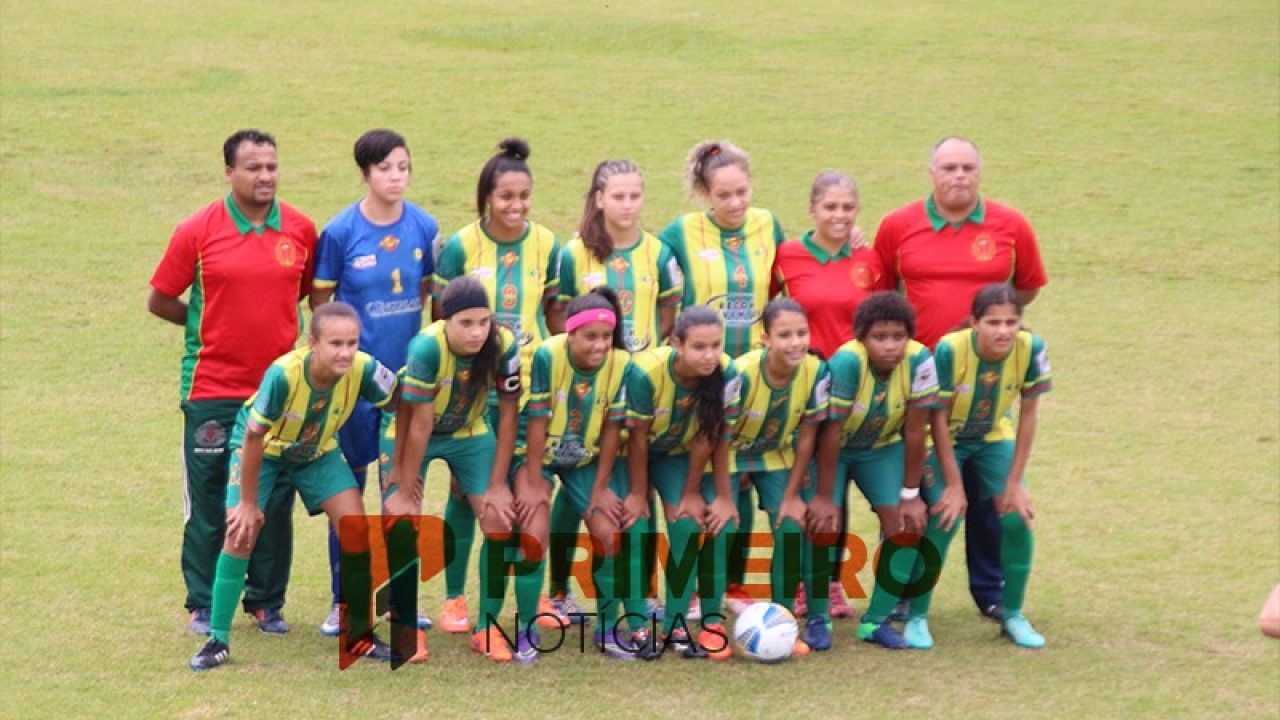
x,y
318,405
309,432
620,264
984,408
635,343
464,375
581,389
627,301
984,248
509,297
417,253
592,279
685,402
510,258
989,378
771,428
733,243
863,276
389,243
286,252
210,434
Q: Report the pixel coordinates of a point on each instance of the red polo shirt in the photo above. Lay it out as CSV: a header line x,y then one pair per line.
x,y
941,265
828,287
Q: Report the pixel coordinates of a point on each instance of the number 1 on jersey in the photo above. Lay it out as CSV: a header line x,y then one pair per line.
x,y
396,287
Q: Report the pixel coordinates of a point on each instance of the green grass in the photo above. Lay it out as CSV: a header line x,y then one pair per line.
x,y
1140,138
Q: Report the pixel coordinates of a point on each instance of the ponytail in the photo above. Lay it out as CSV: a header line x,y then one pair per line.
x,y
592,230
708,393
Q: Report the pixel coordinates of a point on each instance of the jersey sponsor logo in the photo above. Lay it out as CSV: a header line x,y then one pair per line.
x,y
384,378
732,391
286,252
364,262
708,254
567,450
754,414
1042,361
822,391
925,378
983,248
210,435
737,309
863,275
386,308
482,273
592,279
417,253
292,416
634,342
389,243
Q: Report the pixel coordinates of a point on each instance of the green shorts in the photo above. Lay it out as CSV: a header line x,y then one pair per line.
x,y
316,480
771,485
667,474
991,461
877,471
470,459
576,482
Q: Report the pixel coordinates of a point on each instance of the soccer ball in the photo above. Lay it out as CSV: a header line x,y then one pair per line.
x,y
766,632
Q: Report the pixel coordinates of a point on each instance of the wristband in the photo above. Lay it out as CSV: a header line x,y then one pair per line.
x,y
909,493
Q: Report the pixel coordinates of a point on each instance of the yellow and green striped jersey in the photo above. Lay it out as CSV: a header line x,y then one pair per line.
x,y
980,394
300,423
434,374
871,409
728,270
577,403
763,438
519,276
654,395
646,276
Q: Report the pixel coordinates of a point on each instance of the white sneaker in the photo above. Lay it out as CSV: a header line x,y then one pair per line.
x,y
332,624
695,609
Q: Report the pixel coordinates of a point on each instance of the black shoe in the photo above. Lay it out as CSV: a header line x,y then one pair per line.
x,y
992,612
678,641
644,646
372,647
270,621
213,654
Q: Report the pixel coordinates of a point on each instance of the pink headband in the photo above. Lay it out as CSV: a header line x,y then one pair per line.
x,y
589,316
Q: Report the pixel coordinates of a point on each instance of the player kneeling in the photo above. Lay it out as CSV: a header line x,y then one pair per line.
x,y
287,432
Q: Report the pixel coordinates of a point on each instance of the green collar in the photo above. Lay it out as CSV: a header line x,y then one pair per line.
x,y
822,256
243,224
938,222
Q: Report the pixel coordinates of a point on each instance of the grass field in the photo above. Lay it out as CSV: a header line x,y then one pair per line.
x,y
1141,138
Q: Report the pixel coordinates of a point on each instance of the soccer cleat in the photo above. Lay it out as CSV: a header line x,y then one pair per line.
x,y
332,624
714,639
270,621
654,610
817,633
424,622
736,600
491,644
695,609
643,646
839,607
801,648
612,645
549,616
678,641
883,635
567,605
993,613
453,615
800,607
199,623
916,634
526,647
410,641
214,653
370,646
1018,629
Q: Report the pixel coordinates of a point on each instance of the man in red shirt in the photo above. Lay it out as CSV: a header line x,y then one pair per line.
x,y
940,251
247,259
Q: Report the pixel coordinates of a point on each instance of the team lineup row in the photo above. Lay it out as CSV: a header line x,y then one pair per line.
x,y
530,286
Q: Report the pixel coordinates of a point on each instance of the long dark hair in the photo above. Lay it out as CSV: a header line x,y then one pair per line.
x,y
484,363
600,298
995,294
511,157
592,230
708,393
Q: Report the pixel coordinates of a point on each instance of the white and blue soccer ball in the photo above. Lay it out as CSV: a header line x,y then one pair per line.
x,y
766,632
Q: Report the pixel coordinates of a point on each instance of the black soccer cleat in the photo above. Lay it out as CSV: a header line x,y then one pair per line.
x,y
214,653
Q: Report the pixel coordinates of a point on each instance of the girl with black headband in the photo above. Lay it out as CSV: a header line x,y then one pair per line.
x,y
453,365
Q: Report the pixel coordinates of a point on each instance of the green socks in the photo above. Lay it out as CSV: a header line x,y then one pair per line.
x,y
788,561
681,569
930,558
403,564
355,581
713,572
228,586
893,574
460,519
738,546
564,541
1016,548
